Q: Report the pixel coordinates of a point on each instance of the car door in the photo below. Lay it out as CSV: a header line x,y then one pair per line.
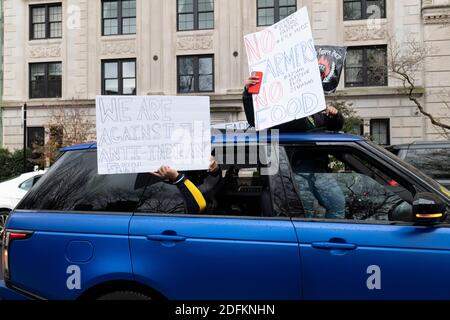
x,y
352,243
235,254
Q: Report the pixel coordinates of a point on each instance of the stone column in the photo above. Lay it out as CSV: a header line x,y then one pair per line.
x,y
436,21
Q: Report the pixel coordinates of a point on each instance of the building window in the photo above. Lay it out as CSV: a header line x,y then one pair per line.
x,y
366,66
46,21
272,11
195,14
364,9
195,74
45,80
380,131
119,17
119,77
35,137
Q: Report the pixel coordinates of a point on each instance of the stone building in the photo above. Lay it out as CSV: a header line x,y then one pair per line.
x,y
65,52
1,69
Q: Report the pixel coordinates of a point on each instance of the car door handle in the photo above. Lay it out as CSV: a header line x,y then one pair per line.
x,y
333,246
165,238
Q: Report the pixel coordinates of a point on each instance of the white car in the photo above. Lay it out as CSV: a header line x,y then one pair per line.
x,y
12,191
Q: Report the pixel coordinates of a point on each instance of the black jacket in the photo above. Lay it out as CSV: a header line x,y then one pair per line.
x,y
322,121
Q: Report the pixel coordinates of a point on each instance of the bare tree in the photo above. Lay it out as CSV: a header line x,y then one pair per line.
x,y
405,61
67,125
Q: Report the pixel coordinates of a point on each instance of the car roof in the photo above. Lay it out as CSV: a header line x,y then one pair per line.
x,y
255,137
422,144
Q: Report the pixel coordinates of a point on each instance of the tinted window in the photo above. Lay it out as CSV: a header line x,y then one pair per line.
x,y
338,184
160,197
241,188
72,184
434,162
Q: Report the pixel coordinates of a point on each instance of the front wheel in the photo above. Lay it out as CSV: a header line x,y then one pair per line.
x,y
124,296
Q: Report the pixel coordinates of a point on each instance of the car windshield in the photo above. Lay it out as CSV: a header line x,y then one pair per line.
x,y
411,168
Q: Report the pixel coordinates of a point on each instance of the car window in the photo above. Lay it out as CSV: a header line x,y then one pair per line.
x,y
161,197
241,188
245,192
239,191
27,184
338,184
433,162
72,184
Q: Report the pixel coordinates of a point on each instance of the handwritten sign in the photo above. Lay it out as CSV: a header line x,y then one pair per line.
x,y
292,86
139,134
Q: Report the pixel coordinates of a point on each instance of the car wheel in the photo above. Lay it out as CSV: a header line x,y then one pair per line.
x,y
124,295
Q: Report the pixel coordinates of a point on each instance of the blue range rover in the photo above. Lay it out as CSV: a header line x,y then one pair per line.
x,y
338,218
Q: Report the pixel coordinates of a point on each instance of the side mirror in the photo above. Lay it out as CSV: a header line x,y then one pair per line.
x,y
429,209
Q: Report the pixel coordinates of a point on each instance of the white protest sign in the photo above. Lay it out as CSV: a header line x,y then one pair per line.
x,y
292,86
141,133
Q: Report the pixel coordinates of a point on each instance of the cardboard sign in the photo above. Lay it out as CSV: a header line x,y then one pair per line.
x,y
292,87
139,134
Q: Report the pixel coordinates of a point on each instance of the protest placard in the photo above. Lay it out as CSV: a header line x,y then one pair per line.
x,y
292,86
331,61
141,133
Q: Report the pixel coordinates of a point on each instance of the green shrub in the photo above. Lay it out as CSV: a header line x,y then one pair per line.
x,y
11,164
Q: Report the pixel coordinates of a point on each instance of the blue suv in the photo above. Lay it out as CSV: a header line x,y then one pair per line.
x,y
316,216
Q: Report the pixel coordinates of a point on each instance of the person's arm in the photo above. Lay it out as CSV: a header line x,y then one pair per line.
x,y
335,119
211,180
247,99
195,202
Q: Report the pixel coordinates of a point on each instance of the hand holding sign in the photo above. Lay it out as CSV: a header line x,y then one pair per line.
x,y
139,134
255,82
291,88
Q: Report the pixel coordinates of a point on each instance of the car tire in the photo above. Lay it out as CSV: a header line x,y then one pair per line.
x,y
124,296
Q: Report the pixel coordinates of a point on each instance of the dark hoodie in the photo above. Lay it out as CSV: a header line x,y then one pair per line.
x,y
322,122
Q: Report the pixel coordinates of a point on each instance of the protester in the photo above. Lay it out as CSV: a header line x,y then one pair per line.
x,y
197,188
329,120
310,169
208,182
312,174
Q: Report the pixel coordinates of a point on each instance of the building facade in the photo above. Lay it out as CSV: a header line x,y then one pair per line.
x,y
1,70
62,53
